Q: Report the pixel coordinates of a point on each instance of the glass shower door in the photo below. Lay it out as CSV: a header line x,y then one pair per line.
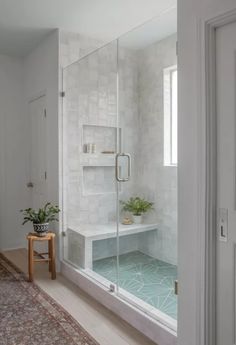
x,y
90,145
147,199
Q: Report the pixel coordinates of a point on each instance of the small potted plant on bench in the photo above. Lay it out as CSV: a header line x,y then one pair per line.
x,y
137,206
41,217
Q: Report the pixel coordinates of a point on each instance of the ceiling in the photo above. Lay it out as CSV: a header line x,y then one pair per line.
x,y
24,23
152,31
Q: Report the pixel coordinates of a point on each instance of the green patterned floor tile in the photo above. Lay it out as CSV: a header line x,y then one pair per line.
x,y
147,278
134,258
130,285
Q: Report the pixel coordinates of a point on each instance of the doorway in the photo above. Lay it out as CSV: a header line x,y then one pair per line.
x,y
220,173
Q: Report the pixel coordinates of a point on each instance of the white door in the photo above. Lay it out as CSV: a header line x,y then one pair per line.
x,y
38,162
226,187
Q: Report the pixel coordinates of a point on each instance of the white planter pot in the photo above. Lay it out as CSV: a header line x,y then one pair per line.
x,y
41,229
137,219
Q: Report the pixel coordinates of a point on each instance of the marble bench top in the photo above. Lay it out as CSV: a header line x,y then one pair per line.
x,y
103,231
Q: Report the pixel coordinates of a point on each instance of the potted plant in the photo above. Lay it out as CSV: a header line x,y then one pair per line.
x,y
41,217
137,206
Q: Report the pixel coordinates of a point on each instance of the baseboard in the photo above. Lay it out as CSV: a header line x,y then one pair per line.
x,y
6,249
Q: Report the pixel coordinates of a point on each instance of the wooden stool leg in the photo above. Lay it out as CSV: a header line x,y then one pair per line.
x,y
53,263
50,255
30,259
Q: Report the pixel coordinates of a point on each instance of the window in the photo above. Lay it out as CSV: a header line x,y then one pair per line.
x,y
170,116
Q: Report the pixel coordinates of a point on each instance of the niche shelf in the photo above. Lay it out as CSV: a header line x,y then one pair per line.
x,y
97,159
105,139
99,167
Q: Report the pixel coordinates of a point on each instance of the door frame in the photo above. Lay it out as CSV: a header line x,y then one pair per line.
x,y
208,180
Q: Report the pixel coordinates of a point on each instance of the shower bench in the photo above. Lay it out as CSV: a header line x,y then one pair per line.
x,y
81,238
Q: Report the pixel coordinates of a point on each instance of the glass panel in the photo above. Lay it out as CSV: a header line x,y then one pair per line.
x,y
124,234
90,143
148,201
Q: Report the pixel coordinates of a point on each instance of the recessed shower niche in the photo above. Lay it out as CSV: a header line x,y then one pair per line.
x,y
104,139
98,159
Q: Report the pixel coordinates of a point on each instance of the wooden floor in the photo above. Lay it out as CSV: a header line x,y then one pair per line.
x,y
103,325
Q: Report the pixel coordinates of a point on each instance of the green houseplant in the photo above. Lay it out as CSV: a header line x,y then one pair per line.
x,y
41,217
137,206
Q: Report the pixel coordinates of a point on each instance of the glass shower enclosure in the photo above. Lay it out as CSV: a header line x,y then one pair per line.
x,y
120,185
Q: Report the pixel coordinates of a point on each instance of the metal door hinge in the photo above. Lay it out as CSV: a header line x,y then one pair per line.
x,y
45,113
45,175
112,288
63,94
176,287
63,233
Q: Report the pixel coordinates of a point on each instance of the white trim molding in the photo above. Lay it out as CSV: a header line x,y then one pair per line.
x,y
208,181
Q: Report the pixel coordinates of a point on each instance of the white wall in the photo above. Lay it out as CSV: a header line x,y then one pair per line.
x,y
20,81
191,13
13,153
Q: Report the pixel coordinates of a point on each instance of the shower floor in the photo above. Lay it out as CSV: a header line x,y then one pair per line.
x,y
147,278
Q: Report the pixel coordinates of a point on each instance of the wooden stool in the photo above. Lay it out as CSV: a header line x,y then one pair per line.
x,y
50,236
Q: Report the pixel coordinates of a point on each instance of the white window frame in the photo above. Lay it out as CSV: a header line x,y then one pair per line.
x,y
168,115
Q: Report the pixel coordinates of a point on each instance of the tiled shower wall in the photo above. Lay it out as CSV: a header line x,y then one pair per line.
x,y
91,99
91,104
156,181
74,46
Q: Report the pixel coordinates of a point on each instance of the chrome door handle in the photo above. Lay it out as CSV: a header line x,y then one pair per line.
x,y
118,178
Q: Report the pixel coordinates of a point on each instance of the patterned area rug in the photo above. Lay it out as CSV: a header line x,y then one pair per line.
x,y
28,316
